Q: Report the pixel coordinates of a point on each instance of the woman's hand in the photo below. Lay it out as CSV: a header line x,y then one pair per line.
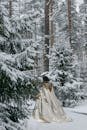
x,y
51,87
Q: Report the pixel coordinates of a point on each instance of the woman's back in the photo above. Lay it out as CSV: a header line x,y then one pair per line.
x,y
48,107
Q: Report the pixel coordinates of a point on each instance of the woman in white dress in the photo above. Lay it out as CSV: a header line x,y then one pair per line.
x,y
48,107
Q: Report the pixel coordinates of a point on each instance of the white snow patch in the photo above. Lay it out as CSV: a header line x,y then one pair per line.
x,y
79,121
81,109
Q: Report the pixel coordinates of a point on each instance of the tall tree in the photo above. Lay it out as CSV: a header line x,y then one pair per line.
x,y
85,3
16,62
51,28
49,38
10,8
69,20
83,18
73,24
46,49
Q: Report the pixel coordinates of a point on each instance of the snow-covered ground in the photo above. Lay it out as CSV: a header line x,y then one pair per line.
x,y
79,121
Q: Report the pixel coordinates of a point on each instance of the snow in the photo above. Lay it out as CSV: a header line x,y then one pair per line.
x,y
79,121
2,128
81,109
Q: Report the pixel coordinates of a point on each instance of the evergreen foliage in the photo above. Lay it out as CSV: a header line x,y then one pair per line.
x,y
17,55
22,37
66,81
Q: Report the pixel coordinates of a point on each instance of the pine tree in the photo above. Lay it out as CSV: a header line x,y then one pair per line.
x,y
73,24
17,56
66,81
67,19
83,17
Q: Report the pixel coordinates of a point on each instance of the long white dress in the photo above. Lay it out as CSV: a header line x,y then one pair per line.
x,y
48,107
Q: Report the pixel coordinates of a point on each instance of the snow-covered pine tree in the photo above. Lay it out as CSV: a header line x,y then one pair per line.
x,y
83,17
62,42
17,55
62,19
66,81
75,26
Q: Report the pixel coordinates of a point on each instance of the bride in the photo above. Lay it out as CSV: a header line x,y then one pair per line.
x,y
48,107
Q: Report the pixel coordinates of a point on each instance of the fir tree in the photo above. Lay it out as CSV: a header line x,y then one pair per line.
x,y
17,57
66,81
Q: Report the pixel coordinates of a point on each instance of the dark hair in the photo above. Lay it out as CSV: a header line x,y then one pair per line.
x,y
46,79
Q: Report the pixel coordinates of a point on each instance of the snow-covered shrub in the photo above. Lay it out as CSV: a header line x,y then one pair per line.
x,y
67,83
11,117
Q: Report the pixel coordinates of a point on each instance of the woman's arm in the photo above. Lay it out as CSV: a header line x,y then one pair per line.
x,y
50,87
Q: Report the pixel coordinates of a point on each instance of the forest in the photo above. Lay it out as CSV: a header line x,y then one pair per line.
x,y
37,37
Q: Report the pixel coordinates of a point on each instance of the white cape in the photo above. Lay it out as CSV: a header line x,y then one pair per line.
x,y
48,108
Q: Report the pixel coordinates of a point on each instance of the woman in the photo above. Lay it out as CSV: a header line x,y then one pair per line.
x,y
48,107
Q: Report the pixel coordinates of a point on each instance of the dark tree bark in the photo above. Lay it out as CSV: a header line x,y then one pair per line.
x,y
85,8
85,1
69,21
10,8
51,23
46,50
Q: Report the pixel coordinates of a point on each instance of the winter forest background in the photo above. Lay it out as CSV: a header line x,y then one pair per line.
x,y
38,36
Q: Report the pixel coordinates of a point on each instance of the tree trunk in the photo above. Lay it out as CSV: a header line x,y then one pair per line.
x,y
85,22
46,50
85,1
69,21
51,23
10,8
